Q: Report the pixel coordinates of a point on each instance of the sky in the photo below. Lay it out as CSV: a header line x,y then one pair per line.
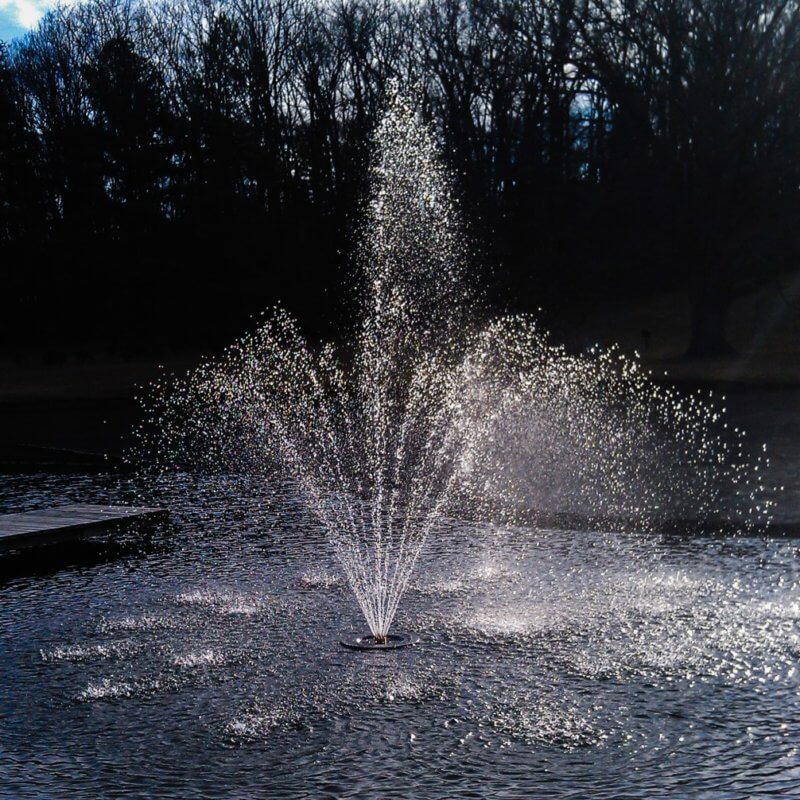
x,y
18,16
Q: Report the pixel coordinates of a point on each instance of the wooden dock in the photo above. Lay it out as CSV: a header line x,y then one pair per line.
x,y
63,523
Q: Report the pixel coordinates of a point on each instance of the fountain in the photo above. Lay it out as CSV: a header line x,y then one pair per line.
x,y
443,413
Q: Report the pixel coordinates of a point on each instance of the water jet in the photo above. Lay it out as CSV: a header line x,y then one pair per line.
x,y
441,411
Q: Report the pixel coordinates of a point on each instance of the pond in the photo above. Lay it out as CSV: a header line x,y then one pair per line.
x,y
203,660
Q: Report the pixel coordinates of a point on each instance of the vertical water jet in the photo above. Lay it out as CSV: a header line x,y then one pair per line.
x,y
444,412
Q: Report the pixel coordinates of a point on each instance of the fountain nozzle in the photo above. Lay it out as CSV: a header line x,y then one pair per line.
x,y
387,641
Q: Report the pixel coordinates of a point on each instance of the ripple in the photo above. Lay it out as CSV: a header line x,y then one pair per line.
x,y
200,658
442,587
91,652
515,620
222,601
106,688
143,622
262,722
469,580
318,578
126,688
402,689
555,721
495,572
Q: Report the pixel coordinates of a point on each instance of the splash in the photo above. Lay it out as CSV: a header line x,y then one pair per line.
x,y
441,413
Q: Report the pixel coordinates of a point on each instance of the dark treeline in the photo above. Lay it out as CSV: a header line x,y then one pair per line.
x,y
167,169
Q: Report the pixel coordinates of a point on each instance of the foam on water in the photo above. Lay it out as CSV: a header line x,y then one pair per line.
x,y
317,578
402,689
144,622
201,658
263,722
222,601
105,688
553,718
125,688
512,622
91,652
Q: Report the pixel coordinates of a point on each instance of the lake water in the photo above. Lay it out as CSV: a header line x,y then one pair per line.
x,y
203,659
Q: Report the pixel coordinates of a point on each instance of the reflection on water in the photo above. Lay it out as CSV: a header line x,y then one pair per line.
x,y
553,664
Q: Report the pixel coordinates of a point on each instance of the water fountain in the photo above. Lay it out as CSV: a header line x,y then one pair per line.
x,y
443,412
463,476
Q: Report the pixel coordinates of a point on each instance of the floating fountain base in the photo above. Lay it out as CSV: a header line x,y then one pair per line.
x,y
394,641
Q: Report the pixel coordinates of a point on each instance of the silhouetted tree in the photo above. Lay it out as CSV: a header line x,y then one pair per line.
x,y
22,210
132,131
605,145
702,95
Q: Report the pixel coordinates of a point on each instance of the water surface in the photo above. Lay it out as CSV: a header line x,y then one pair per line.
x,y
204,661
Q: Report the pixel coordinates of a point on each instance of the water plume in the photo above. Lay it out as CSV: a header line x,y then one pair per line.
x,y
441,413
